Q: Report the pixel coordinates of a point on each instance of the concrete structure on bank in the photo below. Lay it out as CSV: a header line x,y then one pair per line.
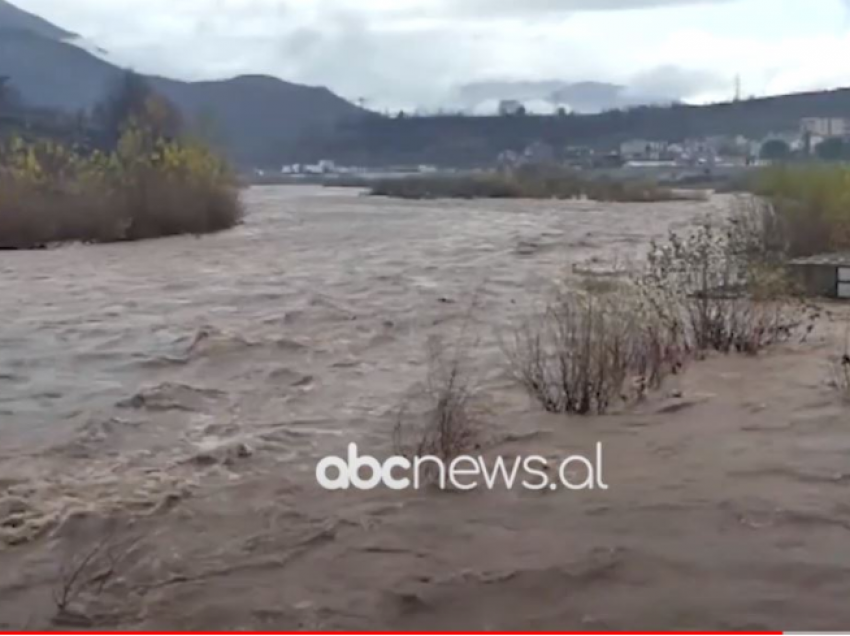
x,y
824,275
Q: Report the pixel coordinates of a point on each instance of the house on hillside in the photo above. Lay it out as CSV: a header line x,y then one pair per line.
x,y
578,156
539,152
815,130
825,127
642,150
511,107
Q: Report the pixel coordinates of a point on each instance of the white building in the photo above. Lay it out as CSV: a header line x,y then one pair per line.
x,y
642,149
825,127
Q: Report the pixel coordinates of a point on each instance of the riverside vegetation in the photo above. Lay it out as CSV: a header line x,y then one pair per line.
x,y
810,207
526,182
721,288
146,179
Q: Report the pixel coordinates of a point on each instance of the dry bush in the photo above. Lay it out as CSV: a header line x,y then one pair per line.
x,y
841,370
709,287
581,354
438,420
89,567
721,288
842,376
756,234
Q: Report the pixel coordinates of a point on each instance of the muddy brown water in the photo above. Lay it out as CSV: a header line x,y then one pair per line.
x,y
175,396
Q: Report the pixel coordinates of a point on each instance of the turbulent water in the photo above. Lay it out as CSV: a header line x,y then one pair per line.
x,y
186,386
317,309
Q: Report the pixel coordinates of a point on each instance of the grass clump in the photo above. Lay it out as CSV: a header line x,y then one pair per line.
x,y
812,206
525,183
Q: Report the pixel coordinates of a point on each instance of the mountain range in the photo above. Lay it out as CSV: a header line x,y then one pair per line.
x,y
253,115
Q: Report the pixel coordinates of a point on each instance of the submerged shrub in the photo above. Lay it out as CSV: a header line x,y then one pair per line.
x,y
528,182
174,187
841,370
439,420
716,288
719,288
585,352
147,187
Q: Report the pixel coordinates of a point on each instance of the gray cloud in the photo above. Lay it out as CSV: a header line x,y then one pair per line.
x,y
396,53
674,83
528,8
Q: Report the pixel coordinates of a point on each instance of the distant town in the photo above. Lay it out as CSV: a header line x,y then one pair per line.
x,y
816,138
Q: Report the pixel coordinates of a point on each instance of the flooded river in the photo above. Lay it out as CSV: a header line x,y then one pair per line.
x,y
187,386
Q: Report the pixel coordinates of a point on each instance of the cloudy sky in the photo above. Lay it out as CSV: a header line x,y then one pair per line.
x,y
404,53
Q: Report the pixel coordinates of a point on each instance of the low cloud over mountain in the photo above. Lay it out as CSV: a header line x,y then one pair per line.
x,y
410,53
253,116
